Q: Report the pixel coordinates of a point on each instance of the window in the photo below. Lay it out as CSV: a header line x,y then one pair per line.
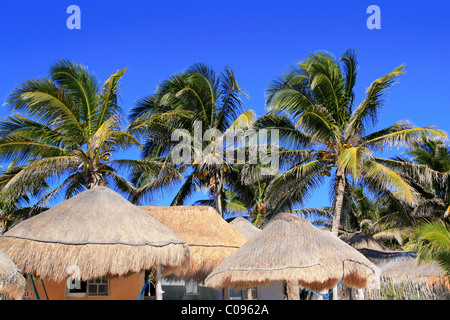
x,y
240,294
97,287
91,288
233,294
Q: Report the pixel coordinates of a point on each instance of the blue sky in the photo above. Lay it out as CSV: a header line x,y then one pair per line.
x,y
259,40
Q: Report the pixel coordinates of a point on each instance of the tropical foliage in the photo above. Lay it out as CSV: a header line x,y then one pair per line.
x,y
314,108
433,243
64,133
185,126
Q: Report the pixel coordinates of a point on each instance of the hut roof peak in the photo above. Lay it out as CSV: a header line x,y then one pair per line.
x,y
291,248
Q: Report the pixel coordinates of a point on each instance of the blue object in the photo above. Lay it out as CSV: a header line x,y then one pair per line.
x,y
43,286
326,296
143,289
35,290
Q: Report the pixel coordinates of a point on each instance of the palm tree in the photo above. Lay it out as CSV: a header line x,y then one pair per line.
x,y
197,106
14,206
427,166
247,193
313,106
433,243
66,130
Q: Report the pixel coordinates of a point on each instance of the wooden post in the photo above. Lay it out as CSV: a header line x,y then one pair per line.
x,y
335,293
360,294
293,290
159,290
249,294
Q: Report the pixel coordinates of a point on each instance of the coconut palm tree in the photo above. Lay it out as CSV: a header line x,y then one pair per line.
x,y
313,106
427,166
65,132
433,242
246,189
16,206
185,125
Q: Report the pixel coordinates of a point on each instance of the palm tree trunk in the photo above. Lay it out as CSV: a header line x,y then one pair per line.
x,y
340,189
218,186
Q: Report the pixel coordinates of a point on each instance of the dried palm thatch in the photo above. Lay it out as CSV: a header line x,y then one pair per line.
x,y
291,249
245,227
98,233
209,237
12,282
403,278
403,266
361,240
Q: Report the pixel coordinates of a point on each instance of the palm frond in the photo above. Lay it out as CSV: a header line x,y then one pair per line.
x,y
82,86
367,111
388,179
403,138
109,98
350,73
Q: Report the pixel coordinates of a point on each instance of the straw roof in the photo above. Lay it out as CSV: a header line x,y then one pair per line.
x,y
290,248
361,240
403,266
209,237
11,280
97,232
245,227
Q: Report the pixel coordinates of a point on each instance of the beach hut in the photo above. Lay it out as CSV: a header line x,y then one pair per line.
x,y
291,249
361,240
403,275
272,291
95,236
401,266
209,237
245,227
12,283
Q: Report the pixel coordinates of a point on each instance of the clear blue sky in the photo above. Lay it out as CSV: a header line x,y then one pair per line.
x,y
259,40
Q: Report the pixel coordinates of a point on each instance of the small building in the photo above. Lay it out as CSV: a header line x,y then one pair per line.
x,y
271,291
290,249
403,277
96,245
12,283
210,240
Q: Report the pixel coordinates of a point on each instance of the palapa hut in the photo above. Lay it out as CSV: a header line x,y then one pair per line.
x,y
209,237
245,227
12,283
273,291
403,275
361,240
291,249
95,235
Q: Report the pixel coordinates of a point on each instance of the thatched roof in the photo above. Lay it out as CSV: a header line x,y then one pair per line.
x,y
210,238
11,280
245,227
97,231
292,249
403,266
361,240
